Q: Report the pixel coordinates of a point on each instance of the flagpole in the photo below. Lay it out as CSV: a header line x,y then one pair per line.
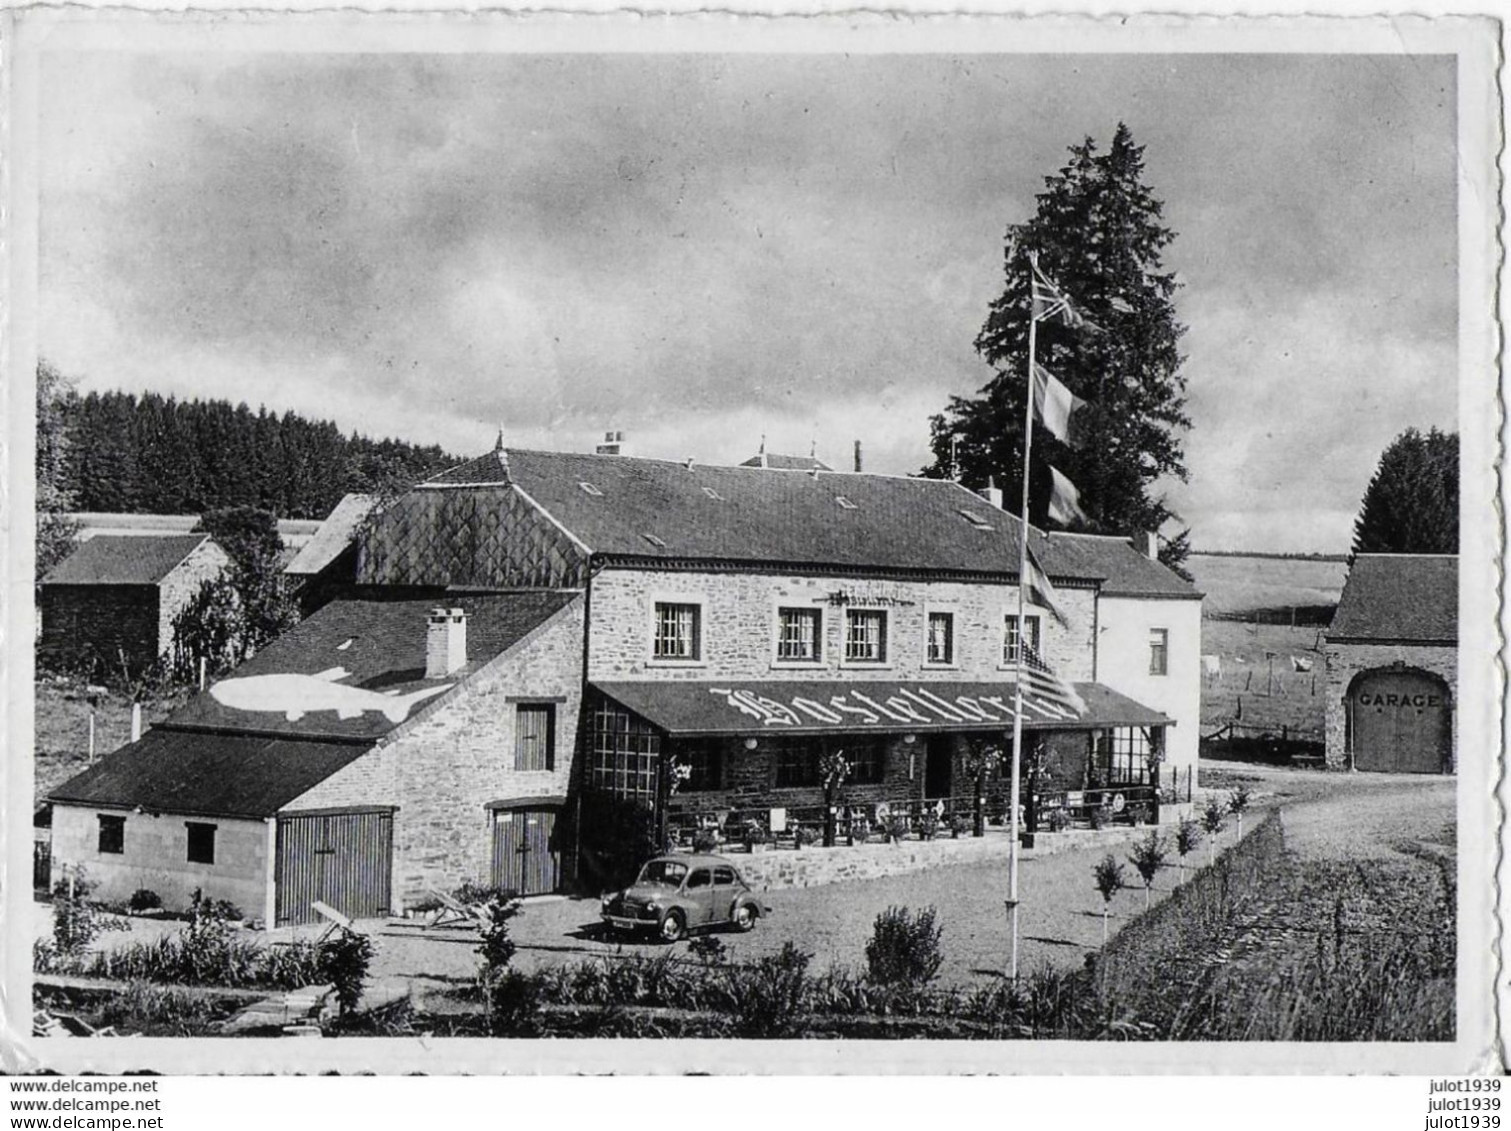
x,y
1028,439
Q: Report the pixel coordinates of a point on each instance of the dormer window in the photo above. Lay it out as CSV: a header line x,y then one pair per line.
x,y
589,489
845,504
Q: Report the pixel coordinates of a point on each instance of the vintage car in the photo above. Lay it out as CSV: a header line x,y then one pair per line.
x,y
682,892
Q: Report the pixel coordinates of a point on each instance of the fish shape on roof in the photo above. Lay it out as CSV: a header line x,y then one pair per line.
x,y
294,696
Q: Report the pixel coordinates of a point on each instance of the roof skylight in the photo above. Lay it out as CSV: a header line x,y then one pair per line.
x,y
975,519
844,502
589,489
654,541
712,494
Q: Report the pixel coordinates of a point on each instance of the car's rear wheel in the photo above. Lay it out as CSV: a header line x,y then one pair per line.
x,y
673,927
744,917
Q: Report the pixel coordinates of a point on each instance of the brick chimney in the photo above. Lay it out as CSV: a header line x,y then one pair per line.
x,y
1146,542
992,494
612,445
445,643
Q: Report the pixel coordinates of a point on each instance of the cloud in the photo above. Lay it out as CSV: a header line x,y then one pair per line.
x,y
699,249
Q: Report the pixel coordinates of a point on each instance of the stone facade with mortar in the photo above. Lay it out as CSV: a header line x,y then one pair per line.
x,y
444,766
739,626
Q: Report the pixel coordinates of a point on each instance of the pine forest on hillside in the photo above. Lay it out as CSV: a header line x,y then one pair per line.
x,y
152,454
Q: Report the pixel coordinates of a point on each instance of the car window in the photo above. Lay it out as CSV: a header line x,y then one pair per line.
x,y
724,875
699,879
663,872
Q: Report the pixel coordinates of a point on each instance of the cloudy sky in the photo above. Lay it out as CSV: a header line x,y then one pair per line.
x,y
700,250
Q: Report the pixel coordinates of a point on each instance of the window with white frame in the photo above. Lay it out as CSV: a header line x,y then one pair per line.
x,y
941,640
1159,651
1010,637
1127,760
677,631
799,636
865,636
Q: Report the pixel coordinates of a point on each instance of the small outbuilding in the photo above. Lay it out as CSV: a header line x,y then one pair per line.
x,y
116,596
1392,666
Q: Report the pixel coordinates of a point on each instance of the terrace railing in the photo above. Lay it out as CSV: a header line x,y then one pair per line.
x,y
900,818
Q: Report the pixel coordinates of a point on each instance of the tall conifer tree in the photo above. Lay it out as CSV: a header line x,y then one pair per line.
x,y
1099,236
1412,504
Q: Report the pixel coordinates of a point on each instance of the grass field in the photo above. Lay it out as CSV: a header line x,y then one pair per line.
x,y
1236,586
62,733
1248,692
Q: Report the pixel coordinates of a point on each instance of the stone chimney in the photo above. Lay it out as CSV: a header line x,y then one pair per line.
x,y
1146,542
992,494
445,643
859,463
613,444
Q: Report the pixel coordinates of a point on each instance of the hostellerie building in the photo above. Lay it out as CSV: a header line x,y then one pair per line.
x,y
553,626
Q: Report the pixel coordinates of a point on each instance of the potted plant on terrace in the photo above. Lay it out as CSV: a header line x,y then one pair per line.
x,y
833,769
980,759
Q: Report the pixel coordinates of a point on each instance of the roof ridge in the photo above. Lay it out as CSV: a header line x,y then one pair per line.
x,y
1400,554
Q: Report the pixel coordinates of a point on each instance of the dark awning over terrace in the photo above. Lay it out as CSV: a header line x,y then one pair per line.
x,y
731,707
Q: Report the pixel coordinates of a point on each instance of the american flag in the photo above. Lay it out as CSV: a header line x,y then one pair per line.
x,y
1040,680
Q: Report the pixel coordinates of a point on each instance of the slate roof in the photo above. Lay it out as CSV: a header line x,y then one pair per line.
x,y
381,645
684,707
335,534
1399,597
1125,571
773,462
208,775
118,559
650,509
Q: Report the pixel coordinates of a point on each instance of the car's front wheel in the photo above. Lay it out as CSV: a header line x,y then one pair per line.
x,y
744,917
673,927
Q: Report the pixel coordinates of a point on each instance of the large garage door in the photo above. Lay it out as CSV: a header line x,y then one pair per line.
x,y
526,857
1402,723
344,859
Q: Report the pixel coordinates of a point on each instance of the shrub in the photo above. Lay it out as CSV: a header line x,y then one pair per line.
x,y
1213,817
495,950
76,920
705,840
344,960
708,949
514,1005
1059,820
144,899
804,836
1099,815
768,995
1148,858
904,948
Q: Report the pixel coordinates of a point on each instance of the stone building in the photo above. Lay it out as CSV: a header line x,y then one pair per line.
x,y
685,638
740,625
376,750
1392,666
115,598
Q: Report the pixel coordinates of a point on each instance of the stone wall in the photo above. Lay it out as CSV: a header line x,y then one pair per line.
x,y
182,583
776,869
1345,662
100,620
739,626
455,756
155,857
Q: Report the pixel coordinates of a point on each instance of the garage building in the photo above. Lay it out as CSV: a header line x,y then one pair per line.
x,y
1392,666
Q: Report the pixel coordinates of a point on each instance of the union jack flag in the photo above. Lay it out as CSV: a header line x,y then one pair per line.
x,y
1049,302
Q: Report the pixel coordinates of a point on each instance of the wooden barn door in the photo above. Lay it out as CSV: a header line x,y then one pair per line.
x,y
342,859
1402,723
526,859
